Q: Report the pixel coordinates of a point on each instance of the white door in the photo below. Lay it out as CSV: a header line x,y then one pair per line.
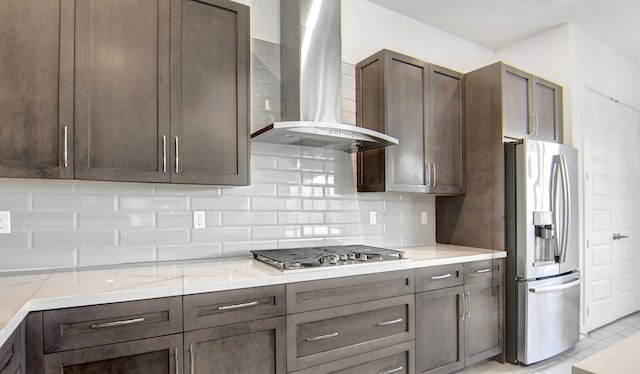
x,y
612,205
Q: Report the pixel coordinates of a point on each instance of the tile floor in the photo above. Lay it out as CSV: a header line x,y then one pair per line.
x,y
561,364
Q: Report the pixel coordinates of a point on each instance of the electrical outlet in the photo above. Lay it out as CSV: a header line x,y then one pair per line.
x,y
424,218
373,218
199,221
5,222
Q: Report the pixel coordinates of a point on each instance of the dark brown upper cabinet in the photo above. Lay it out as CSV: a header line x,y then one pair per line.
x,y
36,102
422,105
210,92
532,106
141,90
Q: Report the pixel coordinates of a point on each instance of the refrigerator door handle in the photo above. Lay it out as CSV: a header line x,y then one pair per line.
x,y
554,203
567,207
556,288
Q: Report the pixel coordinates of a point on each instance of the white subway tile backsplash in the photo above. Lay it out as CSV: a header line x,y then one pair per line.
x,y
188,252
46,240
139,238
111,256
14,201
292,218
248,218
115,220
34,221
299,196
73,202
275,204
222,234
14,241
154,203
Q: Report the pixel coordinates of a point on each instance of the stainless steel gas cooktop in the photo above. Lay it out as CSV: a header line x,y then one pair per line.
x,y
301,258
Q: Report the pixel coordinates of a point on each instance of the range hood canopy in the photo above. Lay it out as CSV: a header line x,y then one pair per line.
x,y
311,86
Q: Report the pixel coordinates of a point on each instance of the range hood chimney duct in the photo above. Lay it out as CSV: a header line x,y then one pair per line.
x,y
311,86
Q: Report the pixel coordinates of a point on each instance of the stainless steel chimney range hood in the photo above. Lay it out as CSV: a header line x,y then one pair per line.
x,y
311,86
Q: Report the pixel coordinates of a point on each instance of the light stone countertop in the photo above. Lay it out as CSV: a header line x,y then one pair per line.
x,y
24,292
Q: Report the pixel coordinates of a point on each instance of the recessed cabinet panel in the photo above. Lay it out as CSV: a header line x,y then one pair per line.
x,y
445,136
517,103
210,59
547,101
36,65
120,89
405,114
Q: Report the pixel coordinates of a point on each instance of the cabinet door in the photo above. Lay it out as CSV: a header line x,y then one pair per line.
x,y
517,103
445,133
155,355
11,354
122,89
483,321
406,120
249,347
209,92
36,89
547,107
440,330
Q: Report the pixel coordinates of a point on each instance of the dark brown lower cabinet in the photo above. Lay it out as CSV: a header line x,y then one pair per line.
x,y
249,347
440,330
11,354
483,322
161,355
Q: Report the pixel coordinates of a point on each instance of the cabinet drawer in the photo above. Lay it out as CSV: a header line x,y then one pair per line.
x,y
397,359
325,335
305,296
436,277
479,271
94,325
154,355
225,307
10,354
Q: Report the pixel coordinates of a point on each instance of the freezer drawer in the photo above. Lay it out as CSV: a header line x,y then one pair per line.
x,y
548,320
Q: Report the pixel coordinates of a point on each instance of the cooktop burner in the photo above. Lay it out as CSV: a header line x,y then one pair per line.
x,y
300,258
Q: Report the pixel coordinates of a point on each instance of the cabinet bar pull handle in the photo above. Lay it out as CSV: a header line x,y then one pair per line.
x,y
390,371
468,305
175,352
117,323
531,125
66,147
392,322
192,360
322,337
61,368
434,175
441,276
177,155
464,307
6,364
164,153
238,306
427,176
483,271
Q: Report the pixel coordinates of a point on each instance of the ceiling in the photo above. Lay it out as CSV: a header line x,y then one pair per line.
x,y
497,23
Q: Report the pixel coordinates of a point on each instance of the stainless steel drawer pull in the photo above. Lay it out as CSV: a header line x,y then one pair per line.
x,y
164,153
192,362
117,323
392,322
322,337
66,147
238,306
177,155
483,271
175,352
394,370
441,276
61,368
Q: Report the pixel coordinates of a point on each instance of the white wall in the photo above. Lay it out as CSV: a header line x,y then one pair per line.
x,y
368,28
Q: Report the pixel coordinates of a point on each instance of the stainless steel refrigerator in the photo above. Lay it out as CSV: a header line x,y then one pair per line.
x,y
541,218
